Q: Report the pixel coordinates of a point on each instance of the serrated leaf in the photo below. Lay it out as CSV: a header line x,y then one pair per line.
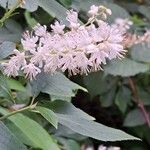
x,y
8,141
134,118
63,107
125,67
49,115
141,52
32,130
6,48
93,129
56,84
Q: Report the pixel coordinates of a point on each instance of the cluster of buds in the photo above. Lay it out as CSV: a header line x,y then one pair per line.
x,y
78,50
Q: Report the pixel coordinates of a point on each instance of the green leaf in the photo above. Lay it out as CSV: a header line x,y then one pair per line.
x,y
63,107
134,118
49,115
92,129
56,84
11,31
123,98
15,85
6,48
125,67
4,88
8,141
30,20
140,52
33,131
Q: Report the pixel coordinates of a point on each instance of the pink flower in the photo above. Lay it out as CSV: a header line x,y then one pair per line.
x,y
51,63
101,147
123,24
29,42
19,58
10,68
58,28
40,30
93,10
31,71
80,49
72,17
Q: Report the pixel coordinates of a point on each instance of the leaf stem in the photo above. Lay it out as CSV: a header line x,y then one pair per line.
x,y
9,13
139,102
30,107
15,112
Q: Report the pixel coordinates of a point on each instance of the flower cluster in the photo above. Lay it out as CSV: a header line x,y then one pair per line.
x,y
132,39
79,49
101,147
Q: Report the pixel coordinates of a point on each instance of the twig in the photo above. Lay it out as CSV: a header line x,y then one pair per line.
x,y
29,107
9,13
139,102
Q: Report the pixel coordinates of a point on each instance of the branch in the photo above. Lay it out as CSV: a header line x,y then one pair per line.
x,y
138,101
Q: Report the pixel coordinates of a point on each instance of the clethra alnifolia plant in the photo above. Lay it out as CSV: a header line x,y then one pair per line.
x,y
79,50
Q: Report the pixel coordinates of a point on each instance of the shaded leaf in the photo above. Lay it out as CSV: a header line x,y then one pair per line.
x,y
141,52
123,98
11,31
134,118
125,67
95,83
6,48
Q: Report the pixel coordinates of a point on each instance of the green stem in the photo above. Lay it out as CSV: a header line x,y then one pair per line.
x,y
30,107
9,13
15,112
